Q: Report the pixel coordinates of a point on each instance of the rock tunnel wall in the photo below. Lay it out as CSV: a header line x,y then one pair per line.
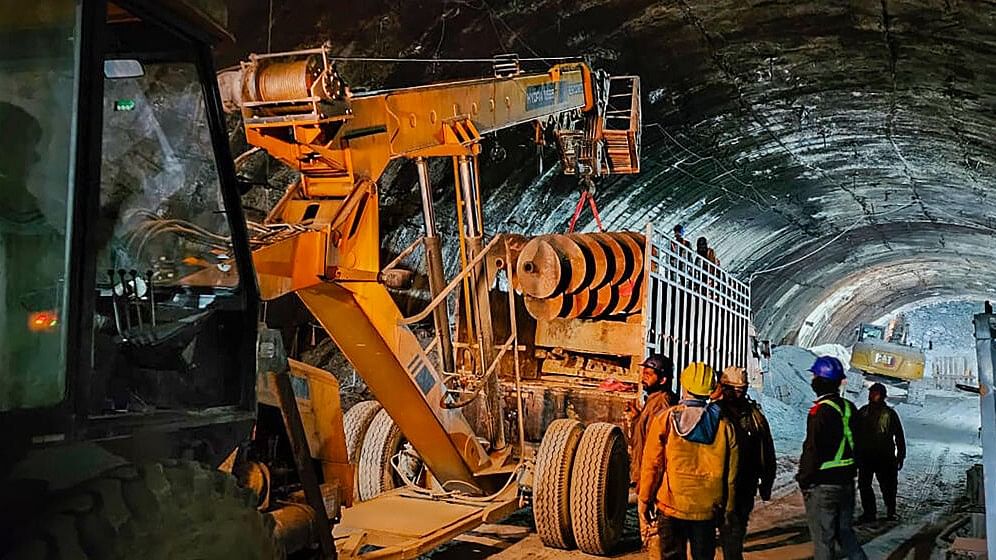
x,y
837,152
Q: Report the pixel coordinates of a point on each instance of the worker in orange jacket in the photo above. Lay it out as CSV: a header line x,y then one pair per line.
x,y
687,473
656,378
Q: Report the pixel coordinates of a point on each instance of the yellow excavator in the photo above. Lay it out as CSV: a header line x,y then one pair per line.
x,y
884,352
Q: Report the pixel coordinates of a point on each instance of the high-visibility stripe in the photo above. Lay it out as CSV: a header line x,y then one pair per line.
x,y
848,439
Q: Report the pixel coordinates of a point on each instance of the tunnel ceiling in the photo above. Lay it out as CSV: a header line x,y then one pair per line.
x,y
838,152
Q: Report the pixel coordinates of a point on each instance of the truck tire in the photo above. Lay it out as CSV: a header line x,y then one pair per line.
x,y
355,423
382,442
171,510
599,488
552,483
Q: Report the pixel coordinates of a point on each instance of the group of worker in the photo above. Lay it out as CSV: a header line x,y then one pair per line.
x,y
702,249
700,458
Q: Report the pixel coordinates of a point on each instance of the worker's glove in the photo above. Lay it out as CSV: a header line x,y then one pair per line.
x,y
728,518
765,492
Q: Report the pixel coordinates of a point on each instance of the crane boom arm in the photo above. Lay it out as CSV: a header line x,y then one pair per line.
x,y
301,113
415,119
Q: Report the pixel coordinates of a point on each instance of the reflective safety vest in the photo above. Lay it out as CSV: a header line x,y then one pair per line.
x,y
847,440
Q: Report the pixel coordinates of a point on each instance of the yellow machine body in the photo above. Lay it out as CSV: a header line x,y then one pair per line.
x,y
321,242
888,359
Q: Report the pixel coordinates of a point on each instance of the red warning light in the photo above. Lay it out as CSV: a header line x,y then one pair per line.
x,y
43,321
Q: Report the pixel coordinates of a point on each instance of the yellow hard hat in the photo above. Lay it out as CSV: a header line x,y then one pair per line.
x,y
698,379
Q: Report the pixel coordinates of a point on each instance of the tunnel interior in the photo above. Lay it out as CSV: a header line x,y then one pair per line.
x,y
839,156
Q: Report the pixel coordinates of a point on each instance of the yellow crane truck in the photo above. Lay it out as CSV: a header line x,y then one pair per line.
x,y
143,409
535,342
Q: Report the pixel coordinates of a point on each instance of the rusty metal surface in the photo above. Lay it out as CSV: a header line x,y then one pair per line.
x,y
294,526
406,525
555,265
582,275
547,401
595,337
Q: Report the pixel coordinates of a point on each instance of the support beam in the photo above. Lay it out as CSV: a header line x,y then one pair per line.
x,y
365,324
481,294
985,332
434,264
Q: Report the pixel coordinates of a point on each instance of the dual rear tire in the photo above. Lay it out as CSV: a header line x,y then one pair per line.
x,y
581,486
373,441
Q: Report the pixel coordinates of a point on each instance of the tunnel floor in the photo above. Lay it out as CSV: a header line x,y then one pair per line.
x,y
942,441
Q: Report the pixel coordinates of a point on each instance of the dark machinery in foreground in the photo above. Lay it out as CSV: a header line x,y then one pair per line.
x,y
127,371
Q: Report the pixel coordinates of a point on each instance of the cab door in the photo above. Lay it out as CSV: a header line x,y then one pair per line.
x,y
127,297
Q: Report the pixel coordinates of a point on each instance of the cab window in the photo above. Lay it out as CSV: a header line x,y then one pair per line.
x,y
38,83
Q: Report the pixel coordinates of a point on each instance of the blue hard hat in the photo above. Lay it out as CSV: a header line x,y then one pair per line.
x,y
828,367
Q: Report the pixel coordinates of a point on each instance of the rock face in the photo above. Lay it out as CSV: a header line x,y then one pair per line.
x,y
830,151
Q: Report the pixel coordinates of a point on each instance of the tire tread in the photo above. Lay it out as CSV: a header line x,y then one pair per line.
x,y
552,483
599,470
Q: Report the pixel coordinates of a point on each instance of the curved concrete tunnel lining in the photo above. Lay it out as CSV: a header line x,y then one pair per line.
x,y
769,128
836,318
856,279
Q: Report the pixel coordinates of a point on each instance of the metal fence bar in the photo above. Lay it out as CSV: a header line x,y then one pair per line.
x,y
729,295
673,303
699,329
739,310
696,311
685,335
736,297
710,332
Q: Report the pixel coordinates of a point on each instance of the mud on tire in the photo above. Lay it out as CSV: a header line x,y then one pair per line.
x,y
158,511
552,483
599,488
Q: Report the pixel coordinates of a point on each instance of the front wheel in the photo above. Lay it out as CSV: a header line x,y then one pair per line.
x,y
164,511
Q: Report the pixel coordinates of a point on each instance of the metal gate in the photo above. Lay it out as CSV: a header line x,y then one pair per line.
x,y
694,310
